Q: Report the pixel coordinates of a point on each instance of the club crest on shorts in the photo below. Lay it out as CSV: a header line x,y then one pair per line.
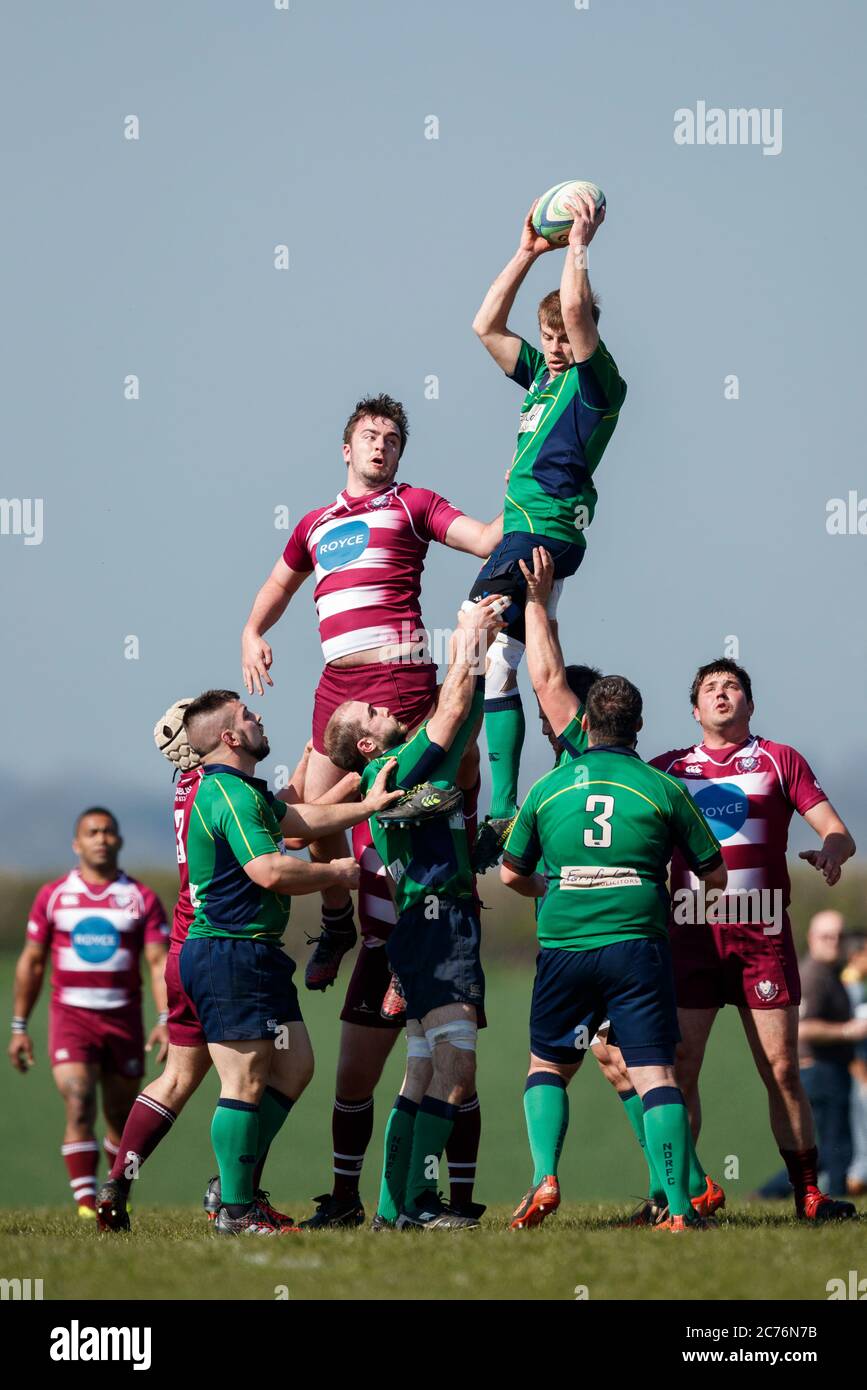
x,y
766,990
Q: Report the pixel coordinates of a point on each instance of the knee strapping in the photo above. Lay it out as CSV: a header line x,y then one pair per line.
x,y
459,1032
418,1048
504,657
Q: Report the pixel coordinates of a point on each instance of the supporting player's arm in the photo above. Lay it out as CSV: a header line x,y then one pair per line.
x,y
527,885
155,955
477,538
545,662
837,843
467,648
491,322
818,1030
29,974
269,606
310,821
282,874
576,297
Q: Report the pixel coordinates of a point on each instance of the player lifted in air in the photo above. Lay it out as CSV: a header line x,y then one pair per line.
x,y
573,397
434,947
742,952
97,922
604,826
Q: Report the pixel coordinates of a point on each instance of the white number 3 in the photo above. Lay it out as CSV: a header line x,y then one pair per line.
x,y
603,820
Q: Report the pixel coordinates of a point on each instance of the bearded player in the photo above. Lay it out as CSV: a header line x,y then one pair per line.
x,y
97,922
188,1062
747,787
574,394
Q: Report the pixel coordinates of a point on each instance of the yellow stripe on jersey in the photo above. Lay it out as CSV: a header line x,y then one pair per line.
x,y
600,782
202,819
235,814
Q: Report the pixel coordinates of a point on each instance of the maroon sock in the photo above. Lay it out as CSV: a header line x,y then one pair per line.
x,y
82,1160
351,1130
802,1167
147,1123
462,1150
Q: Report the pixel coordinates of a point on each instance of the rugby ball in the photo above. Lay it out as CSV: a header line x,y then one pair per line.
x,y
552,219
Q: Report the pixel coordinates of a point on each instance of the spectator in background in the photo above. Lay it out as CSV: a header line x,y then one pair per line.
x,y
827,1035
855,979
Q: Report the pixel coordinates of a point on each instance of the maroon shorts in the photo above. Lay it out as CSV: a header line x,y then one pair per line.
x,y
112,1039
718,964
368,985
407,689
185,1030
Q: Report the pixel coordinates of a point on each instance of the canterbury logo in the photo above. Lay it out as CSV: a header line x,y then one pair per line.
x,y
430,801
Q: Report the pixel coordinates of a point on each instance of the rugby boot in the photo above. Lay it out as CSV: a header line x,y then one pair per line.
x,y
111,1212
334,1211
535,1205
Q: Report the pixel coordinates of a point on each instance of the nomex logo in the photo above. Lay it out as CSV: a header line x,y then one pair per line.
x,y
77,1343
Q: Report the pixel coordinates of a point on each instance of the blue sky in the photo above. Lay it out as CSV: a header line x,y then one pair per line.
x,y
260,127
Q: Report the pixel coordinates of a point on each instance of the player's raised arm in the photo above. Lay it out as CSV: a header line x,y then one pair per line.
x,y
29,974
545,661
576,296
477,622
269,606
837,843
491,322
475,537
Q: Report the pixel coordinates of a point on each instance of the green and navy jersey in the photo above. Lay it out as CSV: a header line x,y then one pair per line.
x,y
604,826
235,818
566,422
573,739
431,859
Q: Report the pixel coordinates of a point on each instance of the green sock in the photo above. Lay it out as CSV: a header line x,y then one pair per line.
x,y
635,1114
273,1110
666,1127
504,731
697,1175
433,1125
235,1137
395,1159
546,1108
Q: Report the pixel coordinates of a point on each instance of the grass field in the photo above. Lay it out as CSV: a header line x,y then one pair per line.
x,y
755,1253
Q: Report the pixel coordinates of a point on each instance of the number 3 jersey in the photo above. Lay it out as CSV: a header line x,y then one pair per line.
x,y
747,793
605,826
97,934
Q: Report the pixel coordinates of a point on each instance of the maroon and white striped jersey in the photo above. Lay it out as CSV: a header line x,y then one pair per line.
x,y
747,793
368,554
185,795
97,934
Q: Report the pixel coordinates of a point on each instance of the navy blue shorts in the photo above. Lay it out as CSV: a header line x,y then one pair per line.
x,y
501,573
630,982
242,988
437,960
